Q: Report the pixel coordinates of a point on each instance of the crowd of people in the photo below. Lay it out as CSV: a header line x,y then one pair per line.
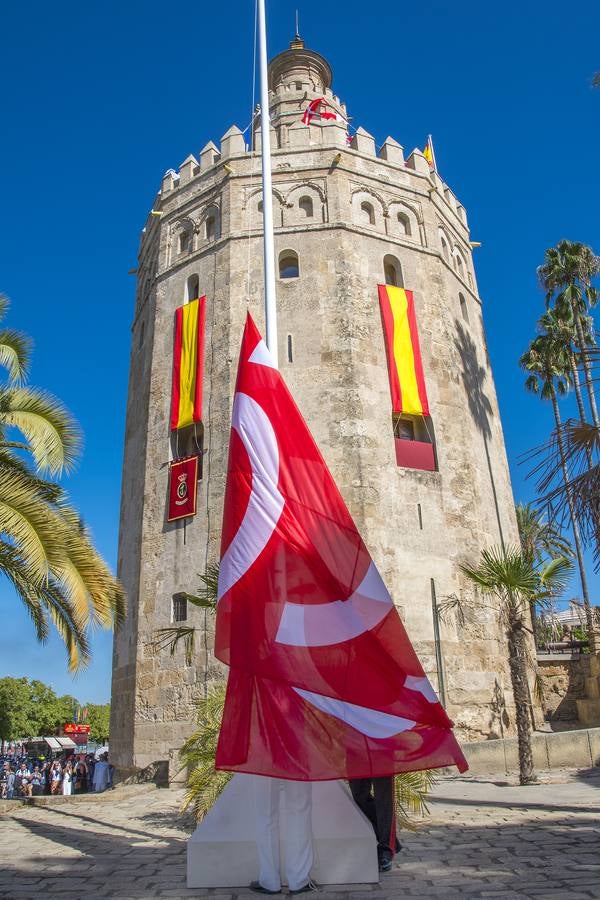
x,y
81,773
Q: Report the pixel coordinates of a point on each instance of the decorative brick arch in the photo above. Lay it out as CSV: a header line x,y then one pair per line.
x,y
363,197
297,213
403,221
254,215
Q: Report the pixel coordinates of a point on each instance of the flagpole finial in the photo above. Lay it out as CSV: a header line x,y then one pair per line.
x,y
297,43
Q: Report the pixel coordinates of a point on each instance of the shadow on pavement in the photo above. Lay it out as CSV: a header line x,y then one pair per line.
x,y
525,857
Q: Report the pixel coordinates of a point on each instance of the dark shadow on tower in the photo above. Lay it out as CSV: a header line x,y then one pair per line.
x,y
473,377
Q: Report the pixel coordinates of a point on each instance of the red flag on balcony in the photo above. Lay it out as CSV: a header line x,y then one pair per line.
x,y
188,364
324,682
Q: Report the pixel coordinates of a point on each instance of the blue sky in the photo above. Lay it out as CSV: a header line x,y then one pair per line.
x,y
98,100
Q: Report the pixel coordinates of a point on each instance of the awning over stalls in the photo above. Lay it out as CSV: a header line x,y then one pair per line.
x,y
66,743
53,743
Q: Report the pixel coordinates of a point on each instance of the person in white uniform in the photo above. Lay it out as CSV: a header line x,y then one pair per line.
x,y
298,843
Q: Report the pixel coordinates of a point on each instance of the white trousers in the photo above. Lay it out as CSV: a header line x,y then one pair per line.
x,y
298,846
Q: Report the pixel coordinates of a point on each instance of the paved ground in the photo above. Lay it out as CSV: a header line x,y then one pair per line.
x,y
484,838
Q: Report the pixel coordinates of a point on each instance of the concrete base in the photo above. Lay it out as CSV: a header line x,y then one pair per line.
x,y
222,850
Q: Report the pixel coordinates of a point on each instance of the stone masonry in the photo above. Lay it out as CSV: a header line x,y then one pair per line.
x,y
342,209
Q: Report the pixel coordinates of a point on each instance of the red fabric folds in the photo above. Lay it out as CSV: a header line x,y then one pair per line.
x,y
324,681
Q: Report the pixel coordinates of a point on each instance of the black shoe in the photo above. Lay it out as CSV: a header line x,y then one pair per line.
x,y
398,846
308,887
384,858
257,887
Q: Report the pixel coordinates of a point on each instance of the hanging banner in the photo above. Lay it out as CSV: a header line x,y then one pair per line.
x,y
405,369
183,482
188,364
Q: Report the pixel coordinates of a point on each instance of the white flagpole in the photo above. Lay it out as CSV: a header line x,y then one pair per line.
x,y
269,247
433,159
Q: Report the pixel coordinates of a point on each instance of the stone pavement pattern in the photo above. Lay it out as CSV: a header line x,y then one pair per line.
x,y
484,838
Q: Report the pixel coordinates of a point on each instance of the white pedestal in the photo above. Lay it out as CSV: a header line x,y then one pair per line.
x,y
222,850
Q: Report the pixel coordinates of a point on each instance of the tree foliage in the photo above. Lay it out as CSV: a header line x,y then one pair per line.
x,y
30,708
509,581
45,549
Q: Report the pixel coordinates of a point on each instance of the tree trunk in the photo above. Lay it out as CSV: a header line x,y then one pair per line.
x,y
517,660
574,525
587,368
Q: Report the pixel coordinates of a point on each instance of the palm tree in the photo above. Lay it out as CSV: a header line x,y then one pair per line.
x,y
579,441
539,538
45,550
509,577
569,269
204,783
548,365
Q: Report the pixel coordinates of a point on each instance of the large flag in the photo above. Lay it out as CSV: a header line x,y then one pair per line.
x,y
324,682
405,368
188,364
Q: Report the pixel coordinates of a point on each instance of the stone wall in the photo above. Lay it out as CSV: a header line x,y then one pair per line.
x,y
563,683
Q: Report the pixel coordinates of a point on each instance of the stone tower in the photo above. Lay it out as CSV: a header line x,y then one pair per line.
x,y
346,218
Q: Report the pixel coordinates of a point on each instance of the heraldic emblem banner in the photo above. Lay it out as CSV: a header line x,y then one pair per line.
x,y
183,482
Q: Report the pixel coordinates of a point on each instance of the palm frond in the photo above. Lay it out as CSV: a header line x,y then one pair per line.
x,y
171,638
15,351
14,568
411,790
53,435
86,579
27,521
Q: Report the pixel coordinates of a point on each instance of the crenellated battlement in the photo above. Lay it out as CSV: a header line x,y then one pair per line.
x,y
298,138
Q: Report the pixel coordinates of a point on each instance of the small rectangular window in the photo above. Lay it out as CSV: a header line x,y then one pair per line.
x,y
179,607
420,515
290,349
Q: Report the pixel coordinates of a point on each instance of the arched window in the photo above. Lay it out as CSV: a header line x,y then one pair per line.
x,y
445,250
305,205
212,223
404,224
288,264
459,265
260,207
392,271
463,308
192,288
367,213
184,241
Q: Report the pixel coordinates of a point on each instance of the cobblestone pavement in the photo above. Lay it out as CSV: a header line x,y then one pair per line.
x,y
484,838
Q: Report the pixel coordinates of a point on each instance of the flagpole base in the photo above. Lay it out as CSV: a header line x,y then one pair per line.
x,y
222,850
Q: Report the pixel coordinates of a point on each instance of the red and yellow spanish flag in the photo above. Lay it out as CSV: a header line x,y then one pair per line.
x,y
188,364
405,369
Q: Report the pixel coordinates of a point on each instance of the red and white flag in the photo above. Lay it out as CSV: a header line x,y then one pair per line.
x,y
324,682
317,109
